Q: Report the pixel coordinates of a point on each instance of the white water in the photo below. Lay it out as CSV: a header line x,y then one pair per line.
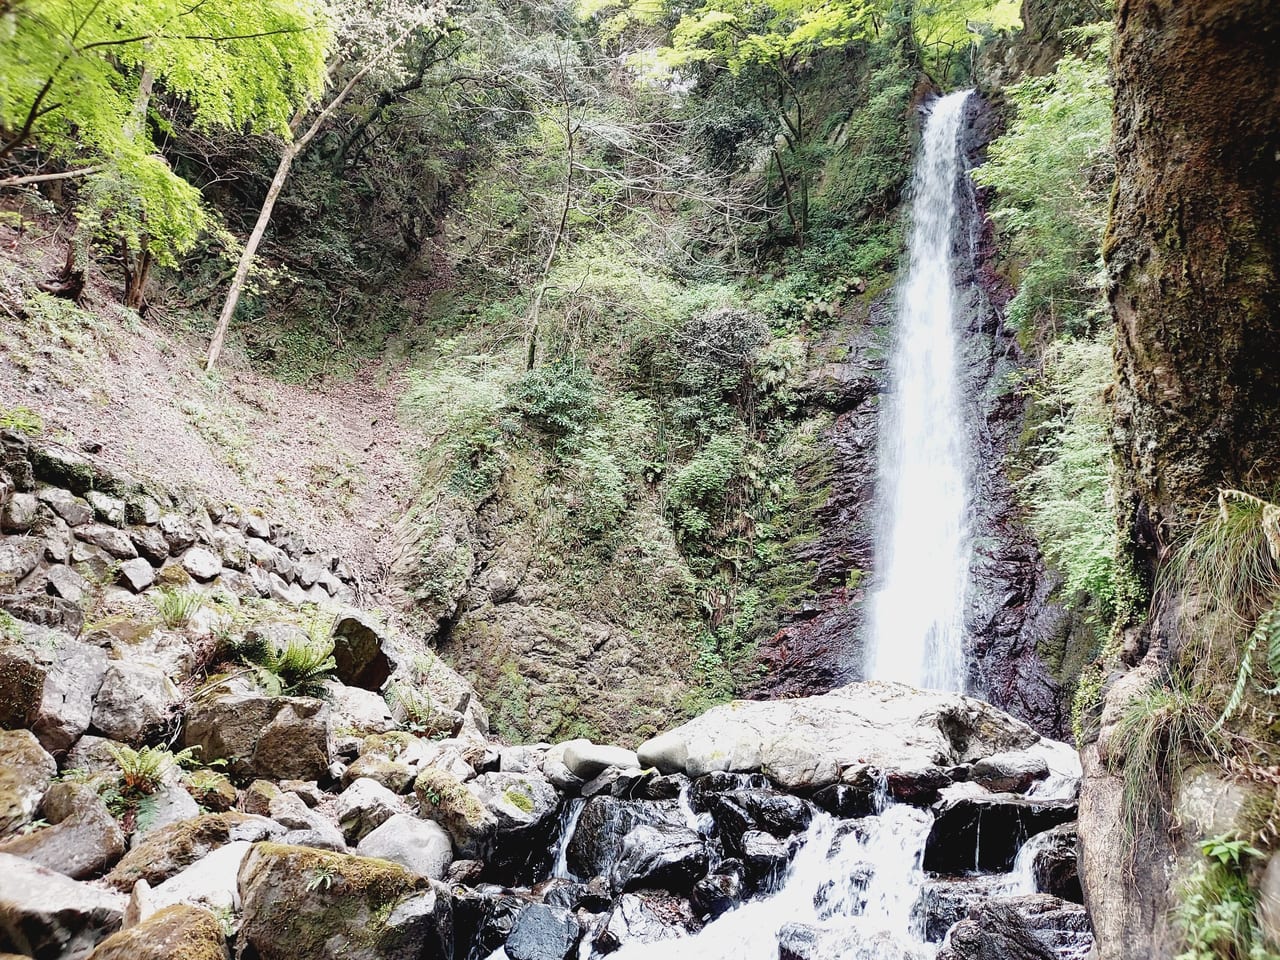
x,y
568,824
824,888
917,621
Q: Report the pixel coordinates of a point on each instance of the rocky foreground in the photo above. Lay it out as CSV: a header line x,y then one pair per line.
x,y
208,752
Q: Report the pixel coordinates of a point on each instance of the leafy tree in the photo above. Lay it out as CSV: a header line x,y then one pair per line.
x,y
76,80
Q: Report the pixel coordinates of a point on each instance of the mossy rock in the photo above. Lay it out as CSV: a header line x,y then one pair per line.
x,y
171,849
179,932
303,902
445,799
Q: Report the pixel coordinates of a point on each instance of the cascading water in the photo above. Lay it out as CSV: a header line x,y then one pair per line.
x,y
917,622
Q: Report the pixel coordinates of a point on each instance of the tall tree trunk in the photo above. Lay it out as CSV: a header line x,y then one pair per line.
x,y
1193,257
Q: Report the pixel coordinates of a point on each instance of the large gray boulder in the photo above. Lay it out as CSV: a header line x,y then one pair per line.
x,y
212,882
419,845
588,760
279,738
806,743
134,700
83,839
25,773
115,542
363,806
18,557
73,677
48,916
359,908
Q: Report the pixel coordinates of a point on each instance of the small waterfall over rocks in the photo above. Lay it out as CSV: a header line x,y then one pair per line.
x,y
917,618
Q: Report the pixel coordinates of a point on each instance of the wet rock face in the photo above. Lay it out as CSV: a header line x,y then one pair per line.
x,y
985,832
1034,927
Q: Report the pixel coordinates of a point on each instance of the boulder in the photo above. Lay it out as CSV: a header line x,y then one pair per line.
x,y
20,514
201,564
74,510
805,743
169,804
58,540
72,679
1034,927
634,920
174,933
177,530
106,508
134,700
22,675
944,902
636,844
211,882
83,839
421,846
1054,862
738,811
299,902
1011,772
588,760
172,849
984,832
18,557
66,583
541,932
42,609
358,710
291,811
62,467
232,548
25,773
274,737
141,509
115,543
396,777
364,806
151,544
48,916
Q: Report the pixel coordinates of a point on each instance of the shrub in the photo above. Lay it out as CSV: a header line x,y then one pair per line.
x,y
701,487
176,607
560,399
1217,908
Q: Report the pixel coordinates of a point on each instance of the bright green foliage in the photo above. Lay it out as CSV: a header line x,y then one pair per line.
x,y
71,81
558,398
1069,492
1217,907
297,668
176,607
1052,172
943,29
143,771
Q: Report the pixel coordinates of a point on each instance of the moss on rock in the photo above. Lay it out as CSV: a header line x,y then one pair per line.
x,y
179,932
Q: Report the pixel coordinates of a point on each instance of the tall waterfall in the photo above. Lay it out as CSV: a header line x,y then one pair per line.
x,y
917,615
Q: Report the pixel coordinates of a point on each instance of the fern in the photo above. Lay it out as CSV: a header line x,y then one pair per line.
x,y
297,668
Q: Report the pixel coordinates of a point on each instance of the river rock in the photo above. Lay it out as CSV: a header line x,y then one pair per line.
x,y
484,917
780,814
984,832
134,700
177,531
83,839
46,915
588,760
274,737
805,743
1011,772
542,932
20,514
172,849
719,892
25,773
1034,927
174,933
106,508
419,845
1055,862
363,806
634,920
299,902
636,843
944,902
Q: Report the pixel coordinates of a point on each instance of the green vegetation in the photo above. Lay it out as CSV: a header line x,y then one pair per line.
x,y
176,607
298,667
1217,905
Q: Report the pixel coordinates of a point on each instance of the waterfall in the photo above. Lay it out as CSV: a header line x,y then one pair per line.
x,y
917,613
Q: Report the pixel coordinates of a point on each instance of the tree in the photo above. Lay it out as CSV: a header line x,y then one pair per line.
x,y
76,81
369,41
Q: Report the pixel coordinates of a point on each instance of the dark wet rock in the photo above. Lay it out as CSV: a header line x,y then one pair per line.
x,y
985,832
83,839
484,918
358,650
1009,772
542,932
1055,862
719,892
945,902
642,919
764,856
46,915
779,814
368,910
844,800
667,787
635,842
1035,927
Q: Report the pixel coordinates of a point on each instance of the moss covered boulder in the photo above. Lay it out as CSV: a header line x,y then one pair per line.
x,y
279,738
170,850
302,902
179,932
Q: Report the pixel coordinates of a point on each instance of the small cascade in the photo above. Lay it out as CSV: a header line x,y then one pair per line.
x,y
564,834
923,553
